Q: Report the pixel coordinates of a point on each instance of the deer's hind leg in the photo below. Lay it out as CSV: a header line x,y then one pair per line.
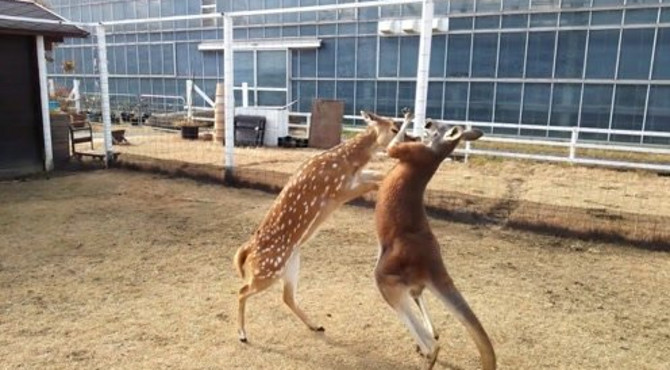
x,y
426,318
254,286
290,277
399,297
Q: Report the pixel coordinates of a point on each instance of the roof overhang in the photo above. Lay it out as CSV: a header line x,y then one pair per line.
x,y
264,44
27,18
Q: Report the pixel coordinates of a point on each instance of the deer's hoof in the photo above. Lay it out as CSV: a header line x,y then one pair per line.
x,y
320,328
243,340
437,336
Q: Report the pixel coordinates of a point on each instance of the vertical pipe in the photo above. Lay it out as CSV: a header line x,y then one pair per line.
x,y
189,99
104,92
77,96
52,88
228,66
44,104
245,94
423,67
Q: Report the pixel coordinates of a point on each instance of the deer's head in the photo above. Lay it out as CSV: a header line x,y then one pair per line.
x,y
443,138
384,127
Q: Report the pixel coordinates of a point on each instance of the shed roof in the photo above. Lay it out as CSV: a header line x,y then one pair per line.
x,y
28,10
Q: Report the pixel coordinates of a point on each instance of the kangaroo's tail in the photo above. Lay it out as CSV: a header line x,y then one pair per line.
x,y
455,302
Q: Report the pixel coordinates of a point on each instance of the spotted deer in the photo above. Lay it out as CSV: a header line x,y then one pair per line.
x,y
409,257
319,187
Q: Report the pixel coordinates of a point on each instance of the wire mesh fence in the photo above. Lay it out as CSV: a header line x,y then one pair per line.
x,y
163,86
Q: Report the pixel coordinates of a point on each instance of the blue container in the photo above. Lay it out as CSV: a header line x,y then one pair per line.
x,y
53,105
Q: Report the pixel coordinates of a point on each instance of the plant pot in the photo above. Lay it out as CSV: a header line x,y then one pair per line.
x,y
189,132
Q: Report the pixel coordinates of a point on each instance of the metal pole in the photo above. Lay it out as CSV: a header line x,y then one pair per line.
x,y
189,99
245,94
104,92
77,95
423,67
229,95
44,100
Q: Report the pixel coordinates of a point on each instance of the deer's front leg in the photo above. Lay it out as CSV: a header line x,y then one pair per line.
x,y
362,183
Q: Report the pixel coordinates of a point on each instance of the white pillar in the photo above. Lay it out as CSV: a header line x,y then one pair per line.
x,y
77,96
228,66
423,67
44,104
189,99
104,92
245,94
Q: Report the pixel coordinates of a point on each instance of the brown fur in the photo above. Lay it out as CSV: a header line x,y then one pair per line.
x,y
410,258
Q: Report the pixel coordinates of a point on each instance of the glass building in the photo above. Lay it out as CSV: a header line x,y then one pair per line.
x,y
588,63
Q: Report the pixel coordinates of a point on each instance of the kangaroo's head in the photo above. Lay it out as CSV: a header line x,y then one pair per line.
x,y
443,138
384,127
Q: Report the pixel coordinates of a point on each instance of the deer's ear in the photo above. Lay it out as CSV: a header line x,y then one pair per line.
x,y
453,134
472,135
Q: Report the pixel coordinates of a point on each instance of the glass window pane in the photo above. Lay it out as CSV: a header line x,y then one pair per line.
x,y
539,61
346,56
308,63
628,110
326,58
437,57
307,94
662,58
665,15
570,54
596,108
658,114
345,92
455,101
640,16
484,52
597,3
434,100
565,106
406,96
601,61
409,49
636,47
544,4
386,98
606,17
512,48
271,68
325,89
271,98
462,6
543,19
515,21
461,23
571,4
508,105
536,104
515,4
486,6
458,56
365,97
487,22
388,56
575,19
366,61
481,102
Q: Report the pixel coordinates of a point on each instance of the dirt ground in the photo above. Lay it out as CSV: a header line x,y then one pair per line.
x,y
117,269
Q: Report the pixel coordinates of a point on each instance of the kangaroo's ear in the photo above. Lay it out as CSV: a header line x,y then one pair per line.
x,y
472,135
370,118
453,134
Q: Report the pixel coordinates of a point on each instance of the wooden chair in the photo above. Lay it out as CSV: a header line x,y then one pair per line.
x,y
82,132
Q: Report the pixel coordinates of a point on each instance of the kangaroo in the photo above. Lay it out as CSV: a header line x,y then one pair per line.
x,y
409,257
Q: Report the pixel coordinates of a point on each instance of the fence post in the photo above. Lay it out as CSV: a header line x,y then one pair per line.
x,y
44,104
189,99
467,144
573,143
229,95
245,94
52,88
104,92
423,67
76,95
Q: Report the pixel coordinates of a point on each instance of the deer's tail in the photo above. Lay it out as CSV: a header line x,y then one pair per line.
x,y
452,298
240,258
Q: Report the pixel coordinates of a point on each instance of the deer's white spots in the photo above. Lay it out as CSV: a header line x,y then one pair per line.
x,y
334,165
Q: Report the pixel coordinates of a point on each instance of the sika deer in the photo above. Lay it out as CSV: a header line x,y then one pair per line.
x,y
409,258
317,189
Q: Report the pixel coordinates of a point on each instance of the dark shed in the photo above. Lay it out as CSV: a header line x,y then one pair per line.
x,y
23,26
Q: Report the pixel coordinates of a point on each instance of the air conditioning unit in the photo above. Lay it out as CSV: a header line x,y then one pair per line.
x,y
388,27
440,25
410,26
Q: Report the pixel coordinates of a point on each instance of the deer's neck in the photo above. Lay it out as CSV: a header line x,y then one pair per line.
x,y
359,149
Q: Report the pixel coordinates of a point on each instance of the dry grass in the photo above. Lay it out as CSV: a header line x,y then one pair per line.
x,y
115,269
